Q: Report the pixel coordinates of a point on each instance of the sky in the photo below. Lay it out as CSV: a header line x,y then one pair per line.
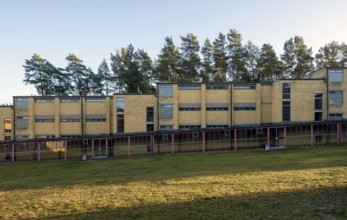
x,y
93,30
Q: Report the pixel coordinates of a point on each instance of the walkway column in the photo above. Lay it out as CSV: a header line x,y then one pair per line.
x,y
106,146
338,128
12,153
311,135
285,136
92,148
129,150
172,144
268,137
203,142
151,144
65,150
38,151
235,139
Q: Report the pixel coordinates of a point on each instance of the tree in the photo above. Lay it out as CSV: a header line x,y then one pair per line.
x,y
208,73
220,57
297,57
252,55
133,70
270,68
189,58
236,64
40,73
105,78
167,64
330,55
79,75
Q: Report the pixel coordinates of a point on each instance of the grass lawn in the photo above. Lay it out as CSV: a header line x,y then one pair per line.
x,y
301,183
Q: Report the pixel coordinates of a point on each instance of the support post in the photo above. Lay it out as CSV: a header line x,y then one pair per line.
x,y
129,145
38,151
268,137
65,150
311,135
151,140
285,136
338,126
203,142
12,153
235,139
106,146
172,144
92,148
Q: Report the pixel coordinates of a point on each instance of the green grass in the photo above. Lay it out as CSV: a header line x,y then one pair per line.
x,y
286,184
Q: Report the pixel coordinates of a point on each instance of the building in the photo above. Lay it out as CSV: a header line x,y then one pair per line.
x,y
318,97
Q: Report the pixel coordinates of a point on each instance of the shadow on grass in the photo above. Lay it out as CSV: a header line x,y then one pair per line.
x,y
320,203
36,175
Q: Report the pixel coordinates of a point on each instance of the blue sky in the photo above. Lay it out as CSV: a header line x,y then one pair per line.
x,y
94,29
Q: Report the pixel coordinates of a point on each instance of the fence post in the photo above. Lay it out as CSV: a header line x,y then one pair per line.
x,y
65,150
172,144
129,145
203,142
38,151
235,139
12,153
311,134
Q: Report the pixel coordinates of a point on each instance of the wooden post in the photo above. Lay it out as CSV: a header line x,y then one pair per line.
x,y
129,145
235,139
65,150
172,144
203,142
311,135
12,153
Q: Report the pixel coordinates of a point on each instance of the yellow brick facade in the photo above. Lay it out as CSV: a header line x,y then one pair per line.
x,y
179,106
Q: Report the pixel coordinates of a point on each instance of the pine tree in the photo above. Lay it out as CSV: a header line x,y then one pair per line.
x,y
252,55
208,73
167,64
39,72
220,57
106,79
133,70
79,75
236,63
330,55
190,63
297,58
270,68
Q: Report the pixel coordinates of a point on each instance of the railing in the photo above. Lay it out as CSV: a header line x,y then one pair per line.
x,y
226,139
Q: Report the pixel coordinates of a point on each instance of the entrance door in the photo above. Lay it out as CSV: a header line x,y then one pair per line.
x,y
277,136
99,148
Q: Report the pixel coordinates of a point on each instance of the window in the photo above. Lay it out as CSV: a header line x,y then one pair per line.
x,y
96,99
189,107
189,87
95,118
44,136
44,118
120,123
286,110
70,118
22,137
69,100
286,91
166,127
22,122
166,111
335,116
240,87
7,125
244,106
335,97
7,138
189,126
120,104
318,116
165,90
217,87
150,114
335,75
44,100
217,106
318,101
216,126
21,103
150,127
